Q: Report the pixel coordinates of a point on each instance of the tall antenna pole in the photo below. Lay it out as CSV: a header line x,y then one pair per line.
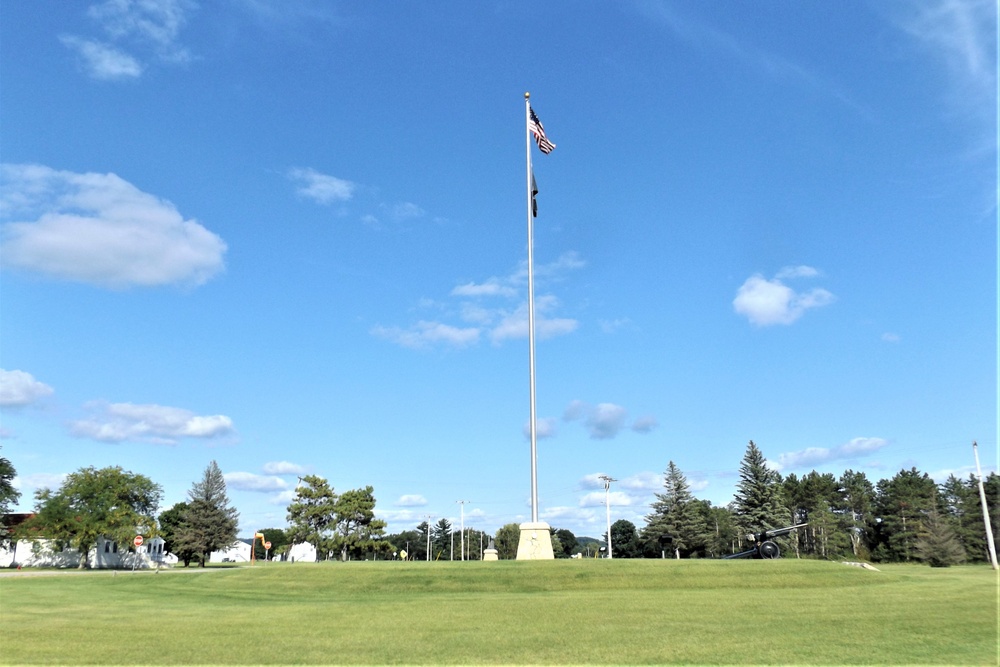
x,y
428,517
986,513
531,315
607,506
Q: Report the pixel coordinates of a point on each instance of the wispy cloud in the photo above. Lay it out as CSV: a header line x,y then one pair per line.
x,y
150,28
103,61
478,316
814,456
767,302
100,229
702,35
321,188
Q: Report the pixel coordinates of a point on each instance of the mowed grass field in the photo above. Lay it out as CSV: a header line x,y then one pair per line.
x,y
556,612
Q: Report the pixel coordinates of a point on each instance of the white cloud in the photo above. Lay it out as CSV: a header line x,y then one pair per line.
x,y
643,482
118,422
766,302
284,468
151,27
153,23
498,323
103,61
102,230
41,480
545,427
18,389
606,420
962,33
248,481
813,456
889,337
411,500
645,424
614,498
492,287
321,188
425,334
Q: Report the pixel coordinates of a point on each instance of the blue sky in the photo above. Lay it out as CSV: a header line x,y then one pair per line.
x,y
293,240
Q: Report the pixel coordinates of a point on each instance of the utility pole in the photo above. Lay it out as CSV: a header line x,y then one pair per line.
x,y
428,517
461,545
986,513
607,506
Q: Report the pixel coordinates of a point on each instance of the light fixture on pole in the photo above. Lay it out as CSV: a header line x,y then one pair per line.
x,y
607,505
462,542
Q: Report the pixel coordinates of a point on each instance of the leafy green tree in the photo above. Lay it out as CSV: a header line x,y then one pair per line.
x,y
857,499
675,516
209,524
170,521
8,496
357,530
91,503
567,541
441,539
901,503
757,502
312,515
723,534
278,539
506,541
624,540
938,544
413,542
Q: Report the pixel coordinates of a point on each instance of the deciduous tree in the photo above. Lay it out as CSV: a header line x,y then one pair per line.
x,y
357,530
8,496
312,514
110,502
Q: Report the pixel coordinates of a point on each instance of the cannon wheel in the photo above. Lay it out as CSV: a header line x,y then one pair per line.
x,y
768,550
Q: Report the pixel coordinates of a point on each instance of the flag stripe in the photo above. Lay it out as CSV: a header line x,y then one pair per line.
x,y
536,128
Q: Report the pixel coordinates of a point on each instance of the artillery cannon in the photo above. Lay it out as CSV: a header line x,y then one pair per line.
x,y
763,547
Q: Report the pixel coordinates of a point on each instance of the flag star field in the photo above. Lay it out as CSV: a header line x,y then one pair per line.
x,y
291,238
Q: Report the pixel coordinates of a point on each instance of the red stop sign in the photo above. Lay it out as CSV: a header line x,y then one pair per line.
x,y
137,541
267,545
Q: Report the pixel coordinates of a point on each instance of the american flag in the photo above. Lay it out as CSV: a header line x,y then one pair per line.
x,y
536,128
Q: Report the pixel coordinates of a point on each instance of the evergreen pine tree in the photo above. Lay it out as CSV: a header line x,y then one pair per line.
x,y
937,544
209,522
675,515
757,501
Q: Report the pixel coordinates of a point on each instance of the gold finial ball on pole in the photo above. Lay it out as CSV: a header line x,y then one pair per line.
x,y
527,95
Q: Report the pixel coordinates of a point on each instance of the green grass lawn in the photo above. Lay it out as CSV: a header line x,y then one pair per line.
x,y
556,612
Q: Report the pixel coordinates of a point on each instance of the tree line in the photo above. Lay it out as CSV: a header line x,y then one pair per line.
x,y
905,518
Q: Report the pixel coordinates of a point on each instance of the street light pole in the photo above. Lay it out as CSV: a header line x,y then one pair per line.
x,y
462,542
607,506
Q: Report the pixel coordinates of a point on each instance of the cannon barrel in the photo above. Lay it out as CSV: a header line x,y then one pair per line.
x,y
777,532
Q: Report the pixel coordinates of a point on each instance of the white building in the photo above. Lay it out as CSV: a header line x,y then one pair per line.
x,y
237,552
106,555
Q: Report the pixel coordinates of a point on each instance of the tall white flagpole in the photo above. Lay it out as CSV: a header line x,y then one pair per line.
x,y
531,314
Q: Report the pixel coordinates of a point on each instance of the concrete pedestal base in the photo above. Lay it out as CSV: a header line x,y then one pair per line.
x,y
490,554
535,542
